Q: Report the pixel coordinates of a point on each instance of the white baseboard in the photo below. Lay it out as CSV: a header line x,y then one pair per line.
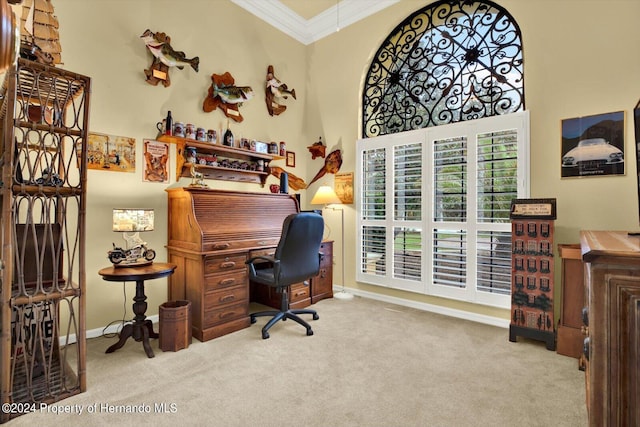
x,y
98,332
460,314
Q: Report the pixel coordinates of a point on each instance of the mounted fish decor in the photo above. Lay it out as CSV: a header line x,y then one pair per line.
x,y
164,57
224,94
332,164
275,91
296,183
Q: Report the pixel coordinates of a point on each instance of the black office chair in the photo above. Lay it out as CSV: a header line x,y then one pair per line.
x,y
296,259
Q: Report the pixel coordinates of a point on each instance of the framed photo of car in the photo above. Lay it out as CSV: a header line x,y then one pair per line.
x,y
593,145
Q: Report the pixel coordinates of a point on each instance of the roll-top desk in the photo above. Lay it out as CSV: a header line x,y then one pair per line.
x,y
211,235
612,280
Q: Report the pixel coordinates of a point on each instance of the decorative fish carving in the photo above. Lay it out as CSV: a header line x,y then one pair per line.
x,y
160,47
274,90
332,164
232,94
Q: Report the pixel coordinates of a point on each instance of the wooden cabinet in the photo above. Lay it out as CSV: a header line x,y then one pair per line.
x,y
570,336
301,295
216,285
242,164
612,277
44,126
322,284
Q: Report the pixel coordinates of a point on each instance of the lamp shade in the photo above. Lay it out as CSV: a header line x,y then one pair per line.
x,y
133,220
325,196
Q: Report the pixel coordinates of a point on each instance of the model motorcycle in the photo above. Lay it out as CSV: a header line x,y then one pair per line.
x,y
118,254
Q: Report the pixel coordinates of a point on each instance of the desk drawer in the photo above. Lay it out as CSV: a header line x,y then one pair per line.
x,y
262,252
219,264
299,292
226,296
214,282
216,316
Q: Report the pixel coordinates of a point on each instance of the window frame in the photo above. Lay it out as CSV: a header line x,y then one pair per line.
x,y
518,121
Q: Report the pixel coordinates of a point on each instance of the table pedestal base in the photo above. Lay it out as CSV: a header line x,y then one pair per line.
x,y
139,333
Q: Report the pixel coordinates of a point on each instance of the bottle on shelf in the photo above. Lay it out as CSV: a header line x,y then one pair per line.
x,y
228,136
169,124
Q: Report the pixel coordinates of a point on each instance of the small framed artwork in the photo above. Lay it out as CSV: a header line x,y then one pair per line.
x,y
593,145
291,159
344,187
156,161
111,153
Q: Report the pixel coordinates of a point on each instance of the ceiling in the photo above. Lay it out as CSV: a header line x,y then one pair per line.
x,y
310,20
309,8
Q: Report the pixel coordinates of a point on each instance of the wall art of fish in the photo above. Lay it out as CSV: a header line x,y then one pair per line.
x,y
275,91
232,94
159,44
332,164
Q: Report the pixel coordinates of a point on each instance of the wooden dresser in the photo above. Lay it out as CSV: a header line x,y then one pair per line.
x,y
211,235
612,280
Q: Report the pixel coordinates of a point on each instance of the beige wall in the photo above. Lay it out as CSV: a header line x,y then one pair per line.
x,y
581,58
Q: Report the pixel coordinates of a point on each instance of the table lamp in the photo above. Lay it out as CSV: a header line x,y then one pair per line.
x,y
130,222
326,196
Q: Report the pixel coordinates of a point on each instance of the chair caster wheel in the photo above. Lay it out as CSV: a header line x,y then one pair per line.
x,y
309,332
265,335
253,320
315,316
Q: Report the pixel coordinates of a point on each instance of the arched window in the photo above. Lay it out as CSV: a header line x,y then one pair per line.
x,y
449,62
434,201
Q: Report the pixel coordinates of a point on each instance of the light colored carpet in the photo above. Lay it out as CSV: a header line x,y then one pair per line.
x,y
368,364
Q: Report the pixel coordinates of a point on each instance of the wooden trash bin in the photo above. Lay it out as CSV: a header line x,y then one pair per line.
x,y
175,325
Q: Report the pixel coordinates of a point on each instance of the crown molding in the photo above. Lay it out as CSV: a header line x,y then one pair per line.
x,y
326,23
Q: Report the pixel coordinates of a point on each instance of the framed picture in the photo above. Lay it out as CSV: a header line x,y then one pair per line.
x,y
593,145
291,159
344,187
111,153
156,161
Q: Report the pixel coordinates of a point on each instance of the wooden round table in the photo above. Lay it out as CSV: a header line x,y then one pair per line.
x,y
141,329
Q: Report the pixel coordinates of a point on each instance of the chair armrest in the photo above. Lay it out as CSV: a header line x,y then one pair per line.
x,y
252,265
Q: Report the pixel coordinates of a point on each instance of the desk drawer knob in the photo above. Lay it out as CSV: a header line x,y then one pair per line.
x,y
228,264
227,282
221,246
227,314
228,298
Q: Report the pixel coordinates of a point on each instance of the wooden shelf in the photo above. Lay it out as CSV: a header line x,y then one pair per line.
x,y
183,169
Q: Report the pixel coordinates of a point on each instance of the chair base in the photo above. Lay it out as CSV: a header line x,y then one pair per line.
x,y
284,315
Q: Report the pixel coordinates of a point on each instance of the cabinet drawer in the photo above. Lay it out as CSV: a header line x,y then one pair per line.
x,y
223,263
262,252
226,296
299,292
224,314
214,282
